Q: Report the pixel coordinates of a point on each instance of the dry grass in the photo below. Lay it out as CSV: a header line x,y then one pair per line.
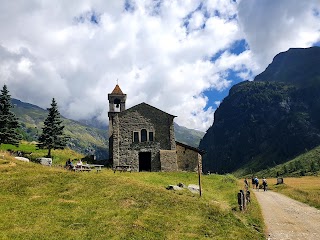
x,y
303,189
39,202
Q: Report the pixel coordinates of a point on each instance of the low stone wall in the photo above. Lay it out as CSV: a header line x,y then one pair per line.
x,y
168,159
188,159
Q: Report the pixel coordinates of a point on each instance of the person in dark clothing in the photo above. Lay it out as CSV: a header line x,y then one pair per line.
x,y
265,184
69,164
253,182
256,181
246,184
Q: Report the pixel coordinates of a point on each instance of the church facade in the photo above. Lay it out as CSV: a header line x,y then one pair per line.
x,y
143,137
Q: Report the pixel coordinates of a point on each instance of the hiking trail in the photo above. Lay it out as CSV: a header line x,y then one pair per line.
x,y
286,218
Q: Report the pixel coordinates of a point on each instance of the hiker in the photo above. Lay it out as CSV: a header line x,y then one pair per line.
x,y
246,184
265,184
253,182
256,181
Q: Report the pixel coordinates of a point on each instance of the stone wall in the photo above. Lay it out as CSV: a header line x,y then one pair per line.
x,y
188,159
168,159
162,123
143,116
133,154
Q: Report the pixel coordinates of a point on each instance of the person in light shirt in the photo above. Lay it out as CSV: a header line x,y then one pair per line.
x,y
79,163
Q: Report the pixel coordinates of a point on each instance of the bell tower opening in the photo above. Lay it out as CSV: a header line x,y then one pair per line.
x,y
116,105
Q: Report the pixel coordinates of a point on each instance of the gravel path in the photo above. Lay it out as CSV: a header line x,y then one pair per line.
x,y
286,218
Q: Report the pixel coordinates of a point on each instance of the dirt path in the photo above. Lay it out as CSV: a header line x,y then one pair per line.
x,y
286,218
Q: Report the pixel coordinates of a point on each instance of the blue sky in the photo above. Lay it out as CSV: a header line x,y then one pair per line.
x,y
181,56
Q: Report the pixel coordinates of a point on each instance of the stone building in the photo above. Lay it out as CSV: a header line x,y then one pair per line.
x,y
143,137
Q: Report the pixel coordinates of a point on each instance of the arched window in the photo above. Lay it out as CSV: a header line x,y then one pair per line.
x,y
136,137
144,135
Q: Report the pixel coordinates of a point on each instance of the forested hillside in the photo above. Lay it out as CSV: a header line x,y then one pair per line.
x,y
270,120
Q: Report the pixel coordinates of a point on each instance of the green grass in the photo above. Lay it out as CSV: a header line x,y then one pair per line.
x,y
39,202
59,157
306,164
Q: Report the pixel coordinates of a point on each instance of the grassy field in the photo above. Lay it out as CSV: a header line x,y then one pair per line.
x,y
59,157
303,189
39,202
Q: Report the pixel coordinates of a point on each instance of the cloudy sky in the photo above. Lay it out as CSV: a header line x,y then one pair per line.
x,y
181,56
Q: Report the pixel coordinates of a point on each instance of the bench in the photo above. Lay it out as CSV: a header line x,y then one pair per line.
x,y
95,166
122,168
81,168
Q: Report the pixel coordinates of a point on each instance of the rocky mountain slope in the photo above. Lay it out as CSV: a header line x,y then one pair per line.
x,y
89,137
270,120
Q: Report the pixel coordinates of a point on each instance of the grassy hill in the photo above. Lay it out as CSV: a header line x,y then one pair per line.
x,y
306,164
30,151
39,202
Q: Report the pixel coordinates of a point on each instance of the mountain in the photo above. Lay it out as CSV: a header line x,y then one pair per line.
x,y
188,136
298,66
270,120
84,139
87,137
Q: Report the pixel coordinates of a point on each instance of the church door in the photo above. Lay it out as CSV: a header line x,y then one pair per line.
x,y
145,161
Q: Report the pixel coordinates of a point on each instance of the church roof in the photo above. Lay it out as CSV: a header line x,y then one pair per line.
x,y
201,152
145,105
117,90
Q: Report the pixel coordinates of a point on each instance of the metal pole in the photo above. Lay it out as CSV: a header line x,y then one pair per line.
x,y
199,175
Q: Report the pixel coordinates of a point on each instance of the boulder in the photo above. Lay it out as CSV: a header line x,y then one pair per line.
x,y
174,187
182,185
22,159
194,188
45,161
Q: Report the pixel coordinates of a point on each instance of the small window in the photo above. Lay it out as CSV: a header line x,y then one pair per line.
x,y
151,136
136,137
143,135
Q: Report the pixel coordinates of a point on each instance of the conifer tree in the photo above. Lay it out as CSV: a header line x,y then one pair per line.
x,y
8,121
52,136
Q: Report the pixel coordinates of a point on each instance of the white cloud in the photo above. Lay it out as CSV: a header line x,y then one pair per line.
x,y
159,50
271,27
24,66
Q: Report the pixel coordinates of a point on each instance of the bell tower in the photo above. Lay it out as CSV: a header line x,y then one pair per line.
x,y
117,103
117,100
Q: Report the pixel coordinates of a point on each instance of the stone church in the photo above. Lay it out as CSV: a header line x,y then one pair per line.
x,y
143,137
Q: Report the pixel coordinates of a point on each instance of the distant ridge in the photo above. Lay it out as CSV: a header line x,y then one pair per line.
x,y
300,66
25,105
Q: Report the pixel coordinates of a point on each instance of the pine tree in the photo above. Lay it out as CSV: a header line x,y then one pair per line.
x,y
52,136
8,121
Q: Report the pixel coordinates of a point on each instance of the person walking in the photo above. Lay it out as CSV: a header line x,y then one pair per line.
x,y
253,182
246,184
256,181
265,184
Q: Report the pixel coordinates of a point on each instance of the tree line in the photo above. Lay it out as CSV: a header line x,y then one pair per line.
x,y
52,136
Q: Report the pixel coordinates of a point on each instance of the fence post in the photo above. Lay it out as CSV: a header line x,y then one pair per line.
x,y
241,200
